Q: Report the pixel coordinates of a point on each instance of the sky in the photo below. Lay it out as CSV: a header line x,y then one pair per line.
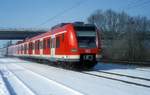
x,y
47,13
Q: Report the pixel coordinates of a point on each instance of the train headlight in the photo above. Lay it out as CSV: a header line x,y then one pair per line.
x,y
74,50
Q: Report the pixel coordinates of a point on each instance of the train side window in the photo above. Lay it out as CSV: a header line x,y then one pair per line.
x,y
38,45
63,37
48,43
35,45
24,47
18,48
57,42
27,46
21,47
32,46
41,44
44,44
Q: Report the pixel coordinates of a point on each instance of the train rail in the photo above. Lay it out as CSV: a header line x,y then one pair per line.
x,y
120,77
112,76
125,75
144,70
6,73
63,86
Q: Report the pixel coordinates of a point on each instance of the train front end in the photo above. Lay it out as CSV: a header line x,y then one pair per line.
x,y
87,44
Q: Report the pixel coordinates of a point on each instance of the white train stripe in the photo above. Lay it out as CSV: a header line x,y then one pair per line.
x,y
55,56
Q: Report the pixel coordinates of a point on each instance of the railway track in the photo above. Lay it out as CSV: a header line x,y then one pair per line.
x,y
125,75
112,76
133,80
144,70
63,86
6,73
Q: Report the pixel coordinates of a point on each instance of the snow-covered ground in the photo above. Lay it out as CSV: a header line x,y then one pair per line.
x,y
124,69
29,78
3,88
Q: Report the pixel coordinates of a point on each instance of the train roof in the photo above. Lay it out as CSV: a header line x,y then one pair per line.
x,y
76,25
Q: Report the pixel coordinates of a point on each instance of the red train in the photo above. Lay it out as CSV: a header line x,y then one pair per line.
x,y
73,44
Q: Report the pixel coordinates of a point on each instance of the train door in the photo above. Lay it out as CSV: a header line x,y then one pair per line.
x,y
33,48
41,47
53,47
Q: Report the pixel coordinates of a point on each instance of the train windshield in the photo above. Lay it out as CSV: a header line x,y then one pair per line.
x,y
86,36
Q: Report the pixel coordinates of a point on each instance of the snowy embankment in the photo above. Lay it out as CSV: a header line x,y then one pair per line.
x,y
3,89
131,70
41,79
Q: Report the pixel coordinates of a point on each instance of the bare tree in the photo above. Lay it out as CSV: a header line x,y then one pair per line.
x,y
123,35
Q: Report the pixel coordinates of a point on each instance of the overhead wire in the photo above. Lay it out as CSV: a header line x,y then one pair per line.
x,y
129,7
63,12
136,4
131,3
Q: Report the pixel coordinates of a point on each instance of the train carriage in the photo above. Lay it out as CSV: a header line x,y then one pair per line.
x,y
66,43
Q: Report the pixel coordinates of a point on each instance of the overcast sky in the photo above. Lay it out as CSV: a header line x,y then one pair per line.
x,y
46,13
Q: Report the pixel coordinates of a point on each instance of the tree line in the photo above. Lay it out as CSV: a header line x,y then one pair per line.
x,y
124,37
